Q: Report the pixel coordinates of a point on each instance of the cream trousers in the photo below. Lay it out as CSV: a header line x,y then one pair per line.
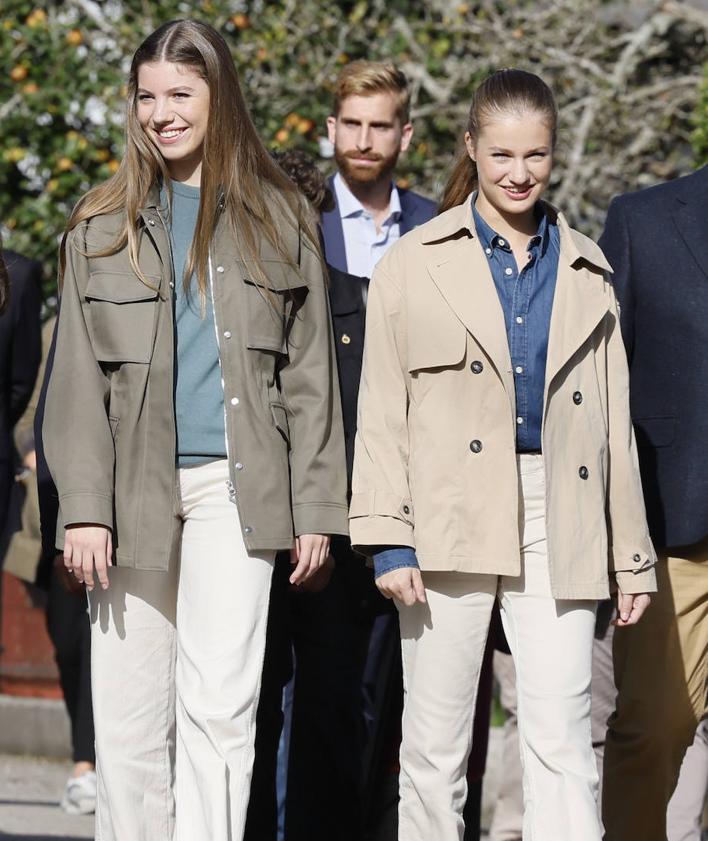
x,y
551,640
176,670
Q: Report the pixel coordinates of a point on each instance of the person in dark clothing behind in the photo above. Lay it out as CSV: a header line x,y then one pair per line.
x,y
20,353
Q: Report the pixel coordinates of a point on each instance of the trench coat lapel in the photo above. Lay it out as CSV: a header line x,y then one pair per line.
x,y
462,275
580,302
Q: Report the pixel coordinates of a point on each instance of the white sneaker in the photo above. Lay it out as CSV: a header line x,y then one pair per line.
x,y
80,794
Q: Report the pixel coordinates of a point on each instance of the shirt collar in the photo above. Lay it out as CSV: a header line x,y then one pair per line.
x,y
350,206
489,238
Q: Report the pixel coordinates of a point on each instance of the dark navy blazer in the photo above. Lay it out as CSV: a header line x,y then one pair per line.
x,y
657,243
415,210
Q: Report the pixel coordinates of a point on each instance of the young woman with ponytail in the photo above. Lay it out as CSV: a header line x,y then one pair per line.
x,y
192,427
495,459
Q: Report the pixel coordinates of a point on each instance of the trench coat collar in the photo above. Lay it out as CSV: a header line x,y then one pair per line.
x,y
579,304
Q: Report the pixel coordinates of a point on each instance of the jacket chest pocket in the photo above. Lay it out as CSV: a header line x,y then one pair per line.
x,y
121,312
271,303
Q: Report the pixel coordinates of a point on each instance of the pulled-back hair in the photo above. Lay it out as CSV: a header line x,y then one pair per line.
x,y
505,92
365,78
235,166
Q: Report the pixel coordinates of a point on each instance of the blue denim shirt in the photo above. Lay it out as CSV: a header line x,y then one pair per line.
x,y
526,298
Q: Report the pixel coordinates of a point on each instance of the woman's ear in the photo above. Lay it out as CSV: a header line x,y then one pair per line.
x,y
470,146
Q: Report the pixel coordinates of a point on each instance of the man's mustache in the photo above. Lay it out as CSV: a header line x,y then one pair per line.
x,y
366,156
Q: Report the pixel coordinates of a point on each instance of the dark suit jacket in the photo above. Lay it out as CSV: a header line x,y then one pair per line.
x,y
657,243
348,308
415,210
20,354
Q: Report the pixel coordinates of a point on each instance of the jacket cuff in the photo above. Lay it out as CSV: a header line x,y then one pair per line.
x,y
380,519
642,581
395,557
320,518
86,508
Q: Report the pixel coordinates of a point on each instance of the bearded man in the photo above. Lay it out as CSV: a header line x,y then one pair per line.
x,y
345,637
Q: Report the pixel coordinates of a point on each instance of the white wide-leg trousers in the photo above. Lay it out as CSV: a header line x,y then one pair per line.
x,y
551,641
177,660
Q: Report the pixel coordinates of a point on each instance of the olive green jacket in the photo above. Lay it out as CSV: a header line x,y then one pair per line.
x,y
109,428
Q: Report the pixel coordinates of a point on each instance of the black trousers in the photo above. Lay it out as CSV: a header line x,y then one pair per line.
x,y
70,631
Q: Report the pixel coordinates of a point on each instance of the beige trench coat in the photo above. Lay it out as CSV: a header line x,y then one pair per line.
x,y
109,425
435,464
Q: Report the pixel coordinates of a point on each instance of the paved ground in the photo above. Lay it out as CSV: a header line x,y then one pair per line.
x,y
30,790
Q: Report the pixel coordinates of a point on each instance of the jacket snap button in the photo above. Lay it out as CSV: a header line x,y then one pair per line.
x,y
477,367
583,472
345,339
406,509
220,269
151,222
577,398
247,530
238,465
227,334
476,446
637,559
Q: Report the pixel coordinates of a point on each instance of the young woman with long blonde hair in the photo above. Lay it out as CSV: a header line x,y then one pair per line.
x,y
495,459
193,428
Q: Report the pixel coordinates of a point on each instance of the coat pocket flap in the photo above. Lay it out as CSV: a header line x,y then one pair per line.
x,y
381,504
655,432
437,348
120,287
279,276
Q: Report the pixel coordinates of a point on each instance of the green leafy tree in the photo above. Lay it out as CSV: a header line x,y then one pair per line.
x,y
628,77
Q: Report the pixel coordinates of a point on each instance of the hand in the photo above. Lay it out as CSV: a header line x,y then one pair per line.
x,y
630,607
308,555
317,582
405,585
86,546
30,461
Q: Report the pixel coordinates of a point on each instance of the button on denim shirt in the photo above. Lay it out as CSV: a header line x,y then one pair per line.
x,y
526,298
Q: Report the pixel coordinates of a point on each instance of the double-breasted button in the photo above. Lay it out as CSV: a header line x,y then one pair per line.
x,y
477,367
476,446
583,472
406,509
636,558
577,398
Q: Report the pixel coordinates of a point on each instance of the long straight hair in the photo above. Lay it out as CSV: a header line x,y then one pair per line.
x,y
504,92
236,167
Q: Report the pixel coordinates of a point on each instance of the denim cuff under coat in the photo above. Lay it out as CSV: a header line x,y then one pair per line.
x,y
394,557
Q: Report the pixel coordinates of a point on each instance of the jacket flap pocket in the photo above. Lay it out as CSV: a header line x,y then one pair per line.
x,y
120,287
655,432
279,276
436,348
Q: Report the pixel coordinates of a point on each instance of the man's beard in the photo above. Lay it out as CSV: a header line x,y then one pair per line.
x,y
353,174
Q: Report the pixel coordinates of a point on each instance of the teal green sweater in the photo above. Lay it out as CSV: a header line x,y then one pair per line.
x,y
199,396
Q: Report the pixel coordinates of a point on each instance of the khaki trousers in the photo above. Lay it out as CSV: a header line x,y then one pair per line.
x,y
176,669
551,640
661,669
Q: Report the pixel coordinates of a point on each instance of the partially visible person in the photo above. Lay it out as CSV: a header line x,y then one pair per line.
x,y
333,751
657,243
495,459
20,353
37,562
685,815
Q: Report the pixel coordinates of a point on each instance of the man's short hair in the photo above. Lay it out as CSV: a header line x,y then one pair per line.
x,y
364,78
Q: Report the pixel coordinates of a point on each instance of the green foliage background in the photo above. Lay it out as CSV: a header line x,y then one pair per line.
x,y
630,81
